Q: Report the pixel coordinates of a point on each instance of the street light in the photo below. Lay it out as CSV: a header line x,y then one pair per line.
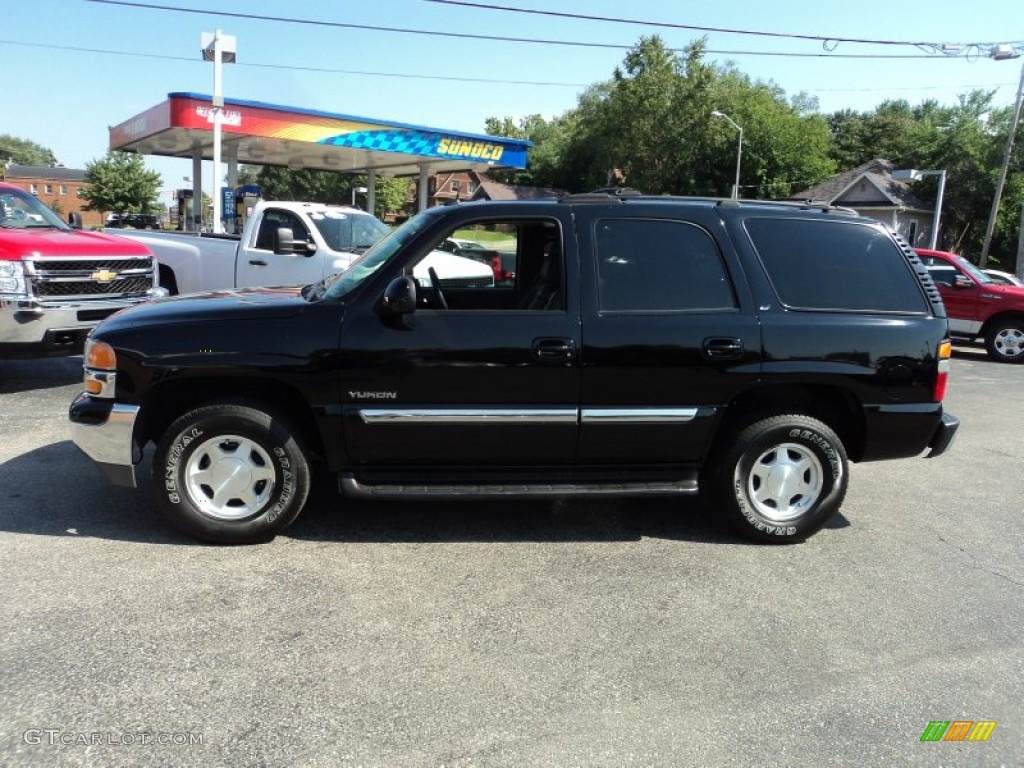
x,y
1000,53
360,190
220,49
739,151
915,175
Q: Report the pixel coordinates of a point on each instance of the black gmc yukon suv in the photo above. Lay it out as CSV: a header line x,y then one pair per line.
x,y
646,346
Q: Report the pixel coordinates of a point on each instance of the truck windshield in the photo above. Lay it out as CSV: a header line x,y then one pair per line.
x,y
20,210
348,232
973,271
362,268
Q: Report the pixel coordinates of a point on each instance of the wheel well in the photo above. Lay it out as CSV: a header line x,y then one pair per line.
x,y
831,405
167,279
995,320
165,404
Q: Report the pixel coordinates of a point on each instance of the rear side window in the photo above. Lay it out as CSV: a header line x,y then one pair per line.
x,y
646,265
835,265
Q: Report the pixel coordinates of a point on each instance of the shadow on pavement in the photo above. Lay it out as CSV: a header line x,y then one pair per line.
x,y
56,491
32,375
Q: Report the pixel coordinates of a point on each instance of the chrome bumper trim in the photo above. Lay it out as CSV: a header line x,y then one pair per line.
x,y
109,443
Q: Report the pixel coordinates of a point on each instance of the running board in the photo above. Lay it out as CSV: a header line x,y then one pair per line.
x,y
350,486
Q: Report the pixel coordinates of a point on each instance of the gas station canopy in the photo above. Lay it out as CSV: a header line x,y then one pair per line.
x,y
268,134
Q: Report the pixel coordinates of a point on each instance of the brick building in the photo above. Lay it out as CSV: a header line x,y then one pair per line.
x,y
58,187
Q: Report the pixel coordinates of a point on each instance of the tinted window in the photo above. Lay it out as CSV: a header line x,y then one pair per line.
x,y
654,266
272,220
817,264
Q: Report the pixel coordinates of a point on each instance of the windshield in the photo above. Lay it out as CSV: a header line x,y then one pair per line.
x,y
20,210
348,232
345,282
973,271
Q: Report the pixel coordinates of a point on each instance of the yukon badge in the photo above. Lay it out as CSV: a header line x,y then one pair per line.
x,y
372,395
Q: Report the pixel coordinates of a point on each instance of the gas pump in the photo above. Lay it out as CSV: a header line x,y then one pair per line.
x,y
183,213
246,197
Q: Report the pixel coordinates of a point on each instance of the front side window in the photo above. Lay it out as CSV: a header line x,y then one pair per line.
x,y
659,266
835,265
274,219
496,264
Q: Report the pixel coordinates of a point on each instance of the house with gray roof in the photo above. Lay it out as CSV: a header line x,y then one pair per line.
x,y
871,190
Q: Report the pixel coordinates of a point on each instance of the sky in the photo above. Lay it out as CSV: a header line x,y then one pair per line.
x,y
73,68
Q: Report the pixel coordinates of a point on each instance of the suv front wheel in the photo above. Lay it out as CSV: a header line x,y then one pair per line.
x,y
782,479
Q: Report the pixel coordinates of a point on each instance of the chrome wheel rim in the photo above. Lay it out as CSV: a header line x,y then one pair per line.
x,y
1009,342
229,477
785,482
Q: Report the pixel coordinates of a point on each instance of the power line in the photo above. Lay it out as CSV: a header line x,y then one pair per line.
x,y
453,78
723,30
543,41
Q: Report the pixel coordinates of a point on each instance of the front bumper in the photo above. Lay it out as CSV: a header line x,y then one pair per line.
x,y
33,328
104,431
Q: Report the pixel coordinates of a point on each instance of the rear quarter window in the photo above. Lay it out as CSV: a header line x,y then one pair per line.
x,y
835,265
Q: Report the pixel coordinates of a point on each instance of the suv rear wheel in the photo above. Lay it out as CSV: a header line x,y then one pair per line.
x,y
782,479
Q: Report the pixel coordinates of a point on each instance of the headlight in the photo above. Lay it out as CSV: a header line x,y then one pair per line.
x,y
100,362
12,279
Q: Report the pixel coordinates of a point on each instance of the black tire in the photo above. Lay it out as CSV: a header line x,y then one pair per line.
x,y
1004,341
231,474
168,281
782,479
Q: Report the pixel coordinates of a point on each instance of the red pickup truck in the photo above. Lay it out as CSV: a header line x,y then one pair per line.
x,y
977,306
58,281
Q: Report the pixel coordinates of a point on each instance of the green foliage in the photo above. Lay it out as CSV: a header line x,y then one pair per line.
x,y
328,187
966,140
120,182
24,152
652,122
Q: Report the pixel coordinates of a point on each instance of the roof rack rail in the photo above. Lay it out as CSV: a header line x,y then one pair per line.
x,y
602,195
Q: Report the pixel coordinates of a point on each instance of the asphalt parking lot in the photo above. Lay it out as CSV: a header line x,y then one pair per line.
x,y
612,633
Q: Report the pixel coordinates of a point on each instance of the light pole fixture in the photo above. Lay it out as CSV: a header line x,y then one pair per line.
x,y
220,49
912,174
739,150
1000,53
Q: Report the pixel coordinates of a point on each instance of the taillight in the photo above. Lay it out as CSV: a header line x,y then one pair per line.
x,y
945,352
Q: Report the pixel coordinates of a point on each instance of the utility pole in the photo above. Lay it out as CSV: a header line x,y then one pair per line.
x,y
1002,173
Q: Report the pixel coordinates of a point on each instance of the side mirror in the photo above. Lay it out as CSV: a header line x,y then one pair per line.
x,y
962,281
75,220
400,296
285,242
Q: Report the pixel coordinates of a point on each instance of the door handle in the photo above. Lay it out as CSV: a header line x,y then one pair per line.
x,y
722,348
258,262
554,350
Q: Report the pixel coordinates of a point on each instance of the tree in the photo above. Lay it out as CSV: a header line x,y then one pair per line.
x,y
652,122
24,152
277,183
120,182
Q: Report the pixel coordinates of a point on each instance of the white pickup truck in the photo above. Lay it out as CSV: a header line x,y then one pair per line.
x,y
285,243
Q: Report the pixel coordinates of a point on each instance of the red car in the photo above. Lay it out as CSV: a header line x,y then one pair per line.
x,y
978,307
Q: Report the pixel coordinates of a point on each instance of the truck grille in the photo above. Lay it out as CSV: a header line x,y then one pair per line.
x,y
99,278
467,282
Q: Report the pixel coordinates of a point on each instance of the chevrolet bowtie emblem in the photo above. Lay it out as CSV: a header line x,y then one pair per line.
x,y
103,276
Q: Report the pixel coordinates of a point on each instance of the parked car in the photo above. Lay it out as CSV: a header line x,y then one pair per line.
x,y
57,281
133,221
978,306
502,263
1004,278
648,346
